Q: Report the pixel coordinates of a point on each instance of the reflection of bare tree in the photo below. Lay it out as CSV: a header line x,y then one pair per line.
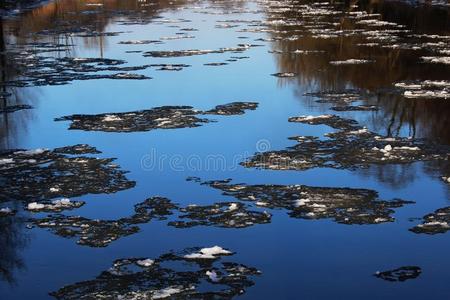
x,y
10,125
395,176
55,23
12,241
418,118
58,20
397,115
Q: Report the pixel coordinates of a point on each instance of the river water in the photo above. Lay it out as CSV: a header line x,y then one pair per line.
x,y
375,51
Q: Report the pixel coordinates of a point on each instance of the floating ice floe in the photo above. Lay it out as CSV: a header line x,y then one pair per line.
x,y
128,278
165,117
193,52
350,62
400,274
284,74
343,205
100,233
177,37
344,97
208,253
352,146
224,214
233,108
39,70
41,174
170,67
140,42
437,59
216,64
355,108
434,223
427,89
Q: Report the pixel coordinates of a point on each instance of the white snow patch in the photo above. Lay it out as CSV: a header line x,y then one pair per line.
x,y
311,118
437,59
6,210
166,292
213,276
145,262
208,253
32,152
35,206
434,223
350,61
301,202
111,118
233,206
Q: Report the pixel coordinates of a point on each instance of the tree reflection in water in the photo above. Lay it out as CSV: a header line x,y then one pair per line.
x,y
397,115
13,240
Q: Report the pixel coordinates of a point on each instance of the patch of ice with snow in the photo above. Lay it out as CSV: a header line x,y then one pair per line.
x,y
437,59
208,253
55,205
350,61
166,292
212,276
145,262
32,152
312,118
5,210
111,118
233,206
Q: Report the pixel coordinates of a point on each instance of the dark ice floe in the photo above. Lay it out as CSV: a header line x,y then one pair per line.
x,y
170,67
100,233
225,214
343,205
38,70
284,75
233,108
77,149
400,274
165,117
177,37
216,64
205,277
193,52
41,174
351,61
140,42
344,97
437,59
352,146
332,121
437,222
427,89
355,108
